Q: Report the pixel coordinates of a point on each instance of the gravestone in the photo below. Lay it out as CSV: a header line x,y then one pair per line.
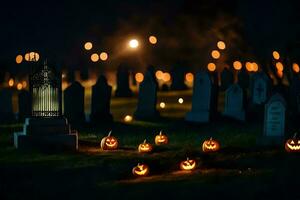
x,y
226,79
178,76
274,121
46,129
201,100
100,108
259,88
123,89
24,105
74,104
243,79
6,106
234,106
146,107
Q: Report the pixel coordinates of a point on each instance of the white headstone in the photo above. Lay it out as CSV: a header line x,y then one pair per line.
x,y
274,123
234,106
201,100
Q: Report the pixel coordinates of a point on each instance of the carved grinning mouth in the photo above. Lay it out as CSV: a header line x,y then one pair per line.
x,y
293,147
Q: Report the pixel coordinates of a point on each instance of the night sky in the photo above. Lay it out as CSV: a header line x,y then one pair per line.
x,y
59,29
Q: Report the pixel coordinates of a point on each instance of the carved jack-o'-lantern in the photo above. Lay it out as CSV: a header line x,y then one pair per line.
x,y
210,145
188,164
109,142
145,147
293,144
140,170
161,139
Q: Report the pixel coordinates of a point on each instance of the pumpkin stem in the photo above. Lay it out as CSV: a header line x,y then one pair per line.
x,y
109,133
187,158
145,141
160,133
210,138
295,135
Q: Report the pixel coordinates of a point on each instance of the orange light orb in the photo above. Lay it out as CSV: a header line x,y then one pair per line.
x,y
189,77
19,59
19,86
162,105
166,77
276,55
255,67
88,46
211,67
139,77
103,56
152,39
27,57
215,54
159,74
133,43
11,82
279,66
296,67
128,118
249,66
221,45
94,57
237,65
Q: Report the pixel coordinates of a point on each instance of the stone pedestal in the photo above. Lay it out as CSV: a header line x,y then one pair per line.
x,y
46,133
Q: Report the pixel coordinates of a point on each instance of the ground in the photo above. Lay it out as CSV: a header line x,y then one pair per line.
x,y
240,170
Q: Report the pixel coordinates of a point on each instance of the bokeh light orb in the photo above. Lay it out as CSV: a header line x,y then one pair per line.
x,y
237,65
152,39
128,118
139,77
166,77
103,56
255,67
11,82
19,86
133,43
19,59
296,67
94,57
88,46
279,66
189,77
159,74
211,67
162,105
221,45
276,55
215,54
249,66
180,100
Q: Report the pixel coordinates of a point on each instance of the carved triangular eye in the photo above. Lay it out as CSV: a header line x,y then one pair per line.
x,y
298,141
292,142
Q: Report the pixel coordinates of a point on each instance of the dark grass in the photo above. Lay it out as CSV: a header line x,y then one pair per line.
x,y
240,170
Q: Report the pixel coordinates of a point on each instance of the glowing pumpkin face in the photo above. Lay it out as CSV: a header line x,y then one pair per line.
x,y
140,170
161,139
188,164
109,142
292,145
145,147
210,145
